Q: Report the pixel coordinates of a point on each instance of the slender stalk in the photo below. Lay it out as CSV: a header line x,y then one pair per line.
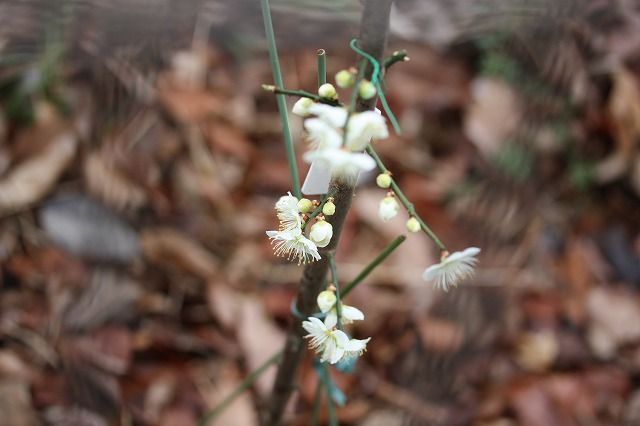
x,y
300,93
404,200
397,56
315,411
331,409
373,33
322,67
334,279
373,264
282,105
246,384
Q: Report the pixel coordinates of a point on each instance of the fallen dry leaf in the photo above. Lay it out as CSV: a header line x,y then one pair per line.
x,y
33,178
166,246
494,116
215,383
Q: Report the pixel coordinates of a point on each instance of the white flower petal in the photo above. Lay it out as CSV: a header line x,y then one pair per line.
x,y
452,269
321,134
331,320
350,314
364,127
334,116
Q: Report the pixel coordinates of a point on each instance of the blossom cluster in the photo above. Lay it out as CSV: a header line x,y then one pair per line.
x,y
289,240
337,139
328,341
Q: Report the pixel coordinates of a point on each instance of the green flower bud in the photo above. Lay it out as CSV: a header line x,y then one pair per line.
x,y
345,79
329,208
413,225
383,180
366,89
327,91
305,205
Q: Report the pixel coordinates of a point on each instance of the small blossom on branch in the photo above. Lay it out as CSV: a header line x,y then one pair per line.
x,y
452,268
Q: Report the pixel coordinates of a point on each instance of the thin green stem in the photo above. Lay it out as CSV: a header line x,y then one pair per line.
x,y
315,412
322,67
397,56
331,409
374,263
246,384
300,93
336,284
404,200
280,99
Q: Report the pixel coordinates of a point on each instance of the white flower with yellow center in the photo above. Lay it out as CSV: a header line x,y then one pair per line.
x,y
326,341
288,213
452,268
327,304
364,127
340,162
292,244
354,347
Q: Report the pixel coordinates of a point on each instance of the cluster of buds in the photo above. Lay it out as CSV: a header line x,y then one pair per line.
x,y
325,337
289,240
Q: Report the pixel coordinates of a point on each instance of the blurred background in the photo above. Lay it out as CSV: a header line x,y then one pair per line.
x,y
139,164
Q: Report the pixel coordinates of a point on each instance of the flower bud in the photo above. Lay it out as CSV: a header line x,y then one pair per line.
x,y
326,300
301,107
327,91
413,225
388,208
383,180
345,79
329,208
366,89
321,233
305,205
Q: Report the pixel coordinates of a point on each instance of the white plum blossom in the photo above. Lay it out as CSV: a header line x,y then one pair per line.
x,y
341,162
355,347
388,208
321,233
348,314
327,304
321,134
301,107
326,341
292,244
332,115
452,268
364,127
287,212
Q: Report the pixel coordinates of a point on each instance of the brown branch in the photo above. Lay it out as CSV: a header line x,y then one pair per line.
x,y
374,27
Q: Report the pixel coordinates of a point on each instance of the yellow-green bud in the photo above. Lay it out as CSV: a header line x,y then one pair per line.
x,y
345,79
327,91
366,89
413,225
383,180
305,205
329,208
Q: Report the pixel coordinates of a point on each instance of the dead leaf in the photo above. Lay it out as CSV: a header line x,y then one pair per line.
x,y
109,184
166,246
259,338
215,383
33,178
615,315
494,115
